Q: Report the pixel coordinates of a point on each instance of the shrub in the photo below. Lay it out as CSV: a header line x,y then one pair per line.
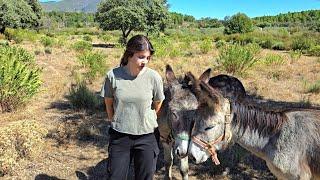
x,y
105,38
82,98
87,38
20,140
273,59
48,50
82,46
13,35
19,77
19,35
4,43
94,62
295,55
238,23
205,46
220,43
47,41
236,59
302,43
267,44
278,46
314,50
162,46
313,88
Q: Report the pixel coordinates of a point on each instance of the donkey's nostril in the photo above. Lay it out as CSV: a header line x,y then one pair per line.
x,y
178,152
193,158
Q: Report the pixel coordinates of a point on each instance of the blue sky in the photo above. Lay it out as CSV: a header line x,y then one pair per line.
x,y
253,8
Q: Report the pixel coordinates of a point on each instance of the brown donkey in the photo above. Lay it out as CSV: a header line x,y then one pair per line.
x,y
287,139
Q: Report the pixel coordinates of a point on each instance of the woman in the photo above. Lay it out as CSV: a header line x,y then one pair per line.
x,y
133,96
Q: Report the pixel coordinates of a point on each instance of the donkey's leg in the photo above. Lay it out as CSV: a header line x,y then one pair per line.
x,y
278,173
168,159
184,168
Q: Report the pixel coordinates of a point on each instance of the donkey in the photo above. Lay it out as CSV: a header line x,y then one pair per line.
x,y
175,116
229,86
287,139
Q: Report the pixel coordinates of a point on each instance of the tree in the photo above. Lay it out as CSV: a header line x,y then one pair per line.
x,y
238,23
19,14
129,15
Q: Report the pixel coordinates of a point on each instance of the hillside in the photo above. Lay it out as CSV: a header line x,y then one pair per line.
x,y
71,5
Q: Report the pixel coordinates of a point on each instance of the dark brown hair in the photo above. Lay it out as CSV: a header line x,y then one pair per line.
x,y
135,44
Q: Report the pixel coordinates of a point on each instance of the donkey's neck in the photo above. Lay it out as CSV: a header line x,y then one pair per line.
x,y
254,128
250,140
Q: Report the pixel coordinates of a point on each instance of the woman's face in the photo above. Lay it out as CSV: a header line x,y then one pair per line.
x,y
140,58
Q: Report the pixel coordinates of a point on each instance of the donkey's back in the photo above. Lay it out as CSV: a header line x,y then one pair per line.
x,y
296,150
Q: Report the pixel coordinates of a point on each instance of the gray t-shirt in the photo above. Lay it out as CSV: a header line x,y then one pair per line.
x,y
132,99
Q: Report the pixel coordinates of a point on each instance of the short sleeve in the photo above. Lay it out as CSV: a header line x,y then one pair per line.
x,y
158,94
106,89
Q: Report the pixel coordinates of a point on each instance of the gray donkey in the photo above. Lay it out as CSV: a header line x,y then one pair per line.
x,y
287,139
175,116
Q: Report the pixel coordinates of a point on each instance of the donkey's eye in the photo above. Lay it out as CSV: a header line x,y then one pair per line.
x,y
208,128
175,116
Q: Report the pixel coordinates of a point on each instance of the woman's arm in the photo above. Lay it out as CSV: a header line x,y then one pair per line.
x,y
157,106
109,108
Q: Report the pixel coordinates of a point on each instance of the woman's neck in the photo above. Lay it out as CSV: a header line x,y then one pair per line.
x,y
133,70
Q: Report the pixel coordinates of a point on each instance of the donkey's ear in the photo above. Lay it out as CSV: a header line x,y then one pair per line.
x,y
170,74
205,76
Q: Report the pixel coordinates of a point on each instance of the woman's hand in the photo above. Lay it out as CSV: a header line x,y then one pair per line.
x,y
157,106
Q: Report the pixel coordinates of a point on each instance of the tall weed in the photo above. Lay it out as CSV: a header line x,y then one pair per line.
x,y
236,59
205,46
82,46
82,98
94,63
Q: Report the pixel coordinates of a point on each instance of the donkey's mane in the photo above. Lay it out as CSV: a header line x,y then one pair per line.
x,y
265,116
251,117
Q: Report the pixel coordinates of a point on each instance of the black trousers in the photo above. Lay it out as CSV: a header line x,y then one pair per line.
x,y
142,149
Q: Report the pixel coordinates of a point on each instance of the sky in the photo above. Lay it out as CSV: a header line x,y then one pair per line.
x,y
253,8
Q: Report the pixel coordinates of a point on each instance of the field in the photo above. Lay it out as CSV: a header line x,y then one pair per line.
x,y
74,140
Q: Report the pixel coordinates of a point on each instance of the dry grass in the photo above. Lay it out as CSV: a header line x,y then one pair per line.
x,y
77,141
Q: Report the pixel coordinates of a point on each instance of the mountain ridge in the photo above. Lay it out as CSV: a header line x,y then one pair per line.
x,y
87,6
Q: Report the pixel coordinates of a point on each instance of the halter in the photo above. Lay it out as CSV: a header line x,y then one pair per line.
x,y
210,146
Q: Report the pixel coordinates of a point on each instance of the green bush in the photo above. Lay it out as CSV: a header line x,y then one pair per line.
x,y
315,50
48,50
105,38
238,23
94,63
162,45
205,46
82,46
273,59
87,38
19,35
19,78
267,44
313,88
236,59
47,41
302,43
221,43
82,98
295,55
278,46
